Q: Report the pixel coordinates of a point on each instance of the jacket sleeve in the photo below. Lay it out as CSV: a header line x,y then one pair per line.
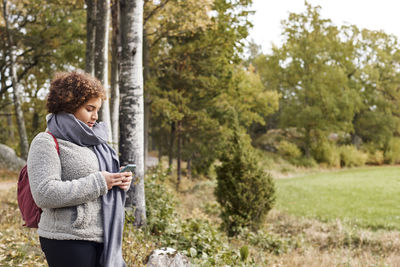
x,y
44,172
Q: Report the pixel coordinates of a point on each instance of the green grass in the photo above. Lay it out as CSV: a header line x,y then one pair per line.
x,y
365,197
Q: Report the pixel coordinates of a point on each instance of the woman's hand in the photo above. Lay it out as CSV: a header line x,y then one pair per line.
x,y
114,179
126,181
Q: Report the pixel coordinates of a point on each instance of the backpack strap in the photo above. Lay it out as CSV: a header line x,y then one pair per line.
x,y
55,140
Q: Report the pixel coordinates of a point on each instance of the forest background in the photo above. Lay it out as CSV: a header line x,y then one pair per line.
x,y
325,93
327,97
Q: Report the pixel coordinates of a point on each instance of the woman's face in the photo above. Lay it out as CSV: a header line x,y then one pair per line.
x,y
87,113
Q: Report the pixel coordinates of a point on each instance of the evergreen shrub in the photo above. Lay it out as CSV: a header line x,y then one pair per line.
x,y
350,156
244,190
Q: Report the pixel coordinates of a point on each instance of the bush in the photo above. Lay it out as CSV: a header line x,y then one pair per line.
x,y
351,157
375,154
327,152
202,242
392,154
289,150
199,239
307,162
244,191
160,204
268,242
376,157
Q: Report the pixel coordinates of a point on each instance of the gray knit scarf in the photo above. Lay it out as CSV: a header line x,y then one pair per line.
x,y
66,127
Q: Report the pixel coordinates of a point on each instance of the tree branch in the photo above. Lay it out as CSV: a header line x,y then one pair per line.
x,y
154,11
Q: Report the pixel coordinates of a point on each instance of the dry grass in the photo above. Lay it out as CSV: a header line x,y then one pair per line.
x,y
19,246
332,244
325,236
6,175
315,258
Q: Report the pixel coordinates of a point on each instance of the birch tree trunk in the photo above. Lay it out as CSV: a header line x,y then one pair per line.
x,y
147,99
131,110
101,57
90,35
114,100
9,123
16,89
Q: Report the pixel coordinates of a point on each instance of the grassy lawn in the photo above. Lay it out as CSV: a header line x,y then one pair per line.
x,y
366,197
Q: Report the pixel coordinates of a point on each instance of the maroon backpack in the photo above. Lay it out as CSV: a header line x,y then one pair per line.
x,y
29,210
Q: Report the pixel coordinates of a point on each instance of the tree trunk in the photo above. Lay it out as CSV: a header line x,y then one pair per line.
x,y
131,110
90,35
189,168
171,146
147,100
101,57
160,150
307,149
10,129
16,88
35,121
179,169
115,44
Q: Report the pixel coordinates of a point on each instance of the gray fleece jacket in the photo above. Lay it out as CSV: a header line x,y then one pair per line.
x,y
67,187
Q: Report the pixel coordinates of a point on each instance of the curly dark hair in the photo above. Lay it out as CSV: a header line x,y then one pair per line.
x,y
70,90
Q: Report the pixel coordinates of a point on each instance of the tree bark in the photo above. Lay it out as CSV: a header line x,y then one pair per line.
x,y
147,99
90,35
160,150
171,146
9,114
131,110
115,45
16,89
10,129
101,57
179,169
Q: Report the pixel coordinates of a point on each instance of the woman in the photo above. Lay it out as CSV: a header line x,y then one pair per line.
x,y
79,188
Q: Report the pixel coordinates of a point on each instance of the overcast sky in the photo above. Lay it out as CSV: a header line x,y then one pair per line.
x,y
370,14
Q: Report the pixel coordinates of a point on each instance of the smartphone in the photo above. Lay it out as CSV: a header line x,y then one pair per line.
x,y
129,168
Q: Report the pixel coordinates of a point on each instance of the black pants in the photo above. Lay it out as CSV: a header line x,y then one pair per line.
x,y
71,253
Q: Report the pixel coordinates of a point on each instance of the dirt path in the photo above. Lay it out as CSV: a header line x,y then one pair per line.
x,y
6,185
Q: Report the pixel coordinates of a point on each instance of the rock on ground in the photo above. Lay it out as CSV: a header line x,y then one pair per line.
x,y
151,161
167,257
9,160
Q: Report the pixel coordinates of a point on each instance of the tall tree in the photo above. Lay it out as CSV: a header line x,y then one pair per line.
x,y
35,31
16,86
162,20
114,100
193,70
378,79
131,111
90,35
101,57
312,71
